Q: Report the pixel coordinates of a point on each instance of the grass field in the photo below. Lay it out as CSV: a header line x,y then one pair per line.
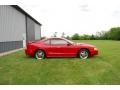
x,y
16,68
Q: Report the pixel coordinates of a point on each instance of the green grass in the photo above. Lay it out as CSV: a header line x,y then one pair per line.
x,y
16,68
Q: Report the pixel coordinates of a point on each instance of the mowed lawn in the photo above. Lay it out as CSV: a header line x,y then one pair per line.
x,y
17,68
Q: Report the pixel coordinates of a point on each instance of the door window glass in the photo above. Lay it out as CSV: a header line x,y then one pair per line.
x,y
56,41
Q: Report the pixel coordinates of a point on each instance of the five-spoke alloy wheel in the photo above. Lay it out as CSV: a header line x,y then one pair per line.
x,y
84,54
39,54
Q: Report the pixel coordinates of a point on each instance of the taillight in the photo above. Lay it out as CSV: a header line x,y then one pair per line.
x,y
29,42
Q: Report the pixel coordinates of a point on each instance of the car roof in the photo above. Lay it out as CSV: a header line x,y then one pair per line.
x,y
53,38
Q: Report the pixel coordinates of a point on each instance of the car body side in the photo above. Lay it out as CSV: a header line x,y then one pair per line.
x,y
66,50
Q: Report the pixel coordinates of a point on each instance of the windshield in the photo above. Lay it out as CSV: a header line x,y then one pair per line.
x,y
69,41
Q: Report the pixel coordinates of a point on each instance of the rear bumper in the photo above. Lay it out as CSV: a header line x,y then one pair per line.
x,y
29,52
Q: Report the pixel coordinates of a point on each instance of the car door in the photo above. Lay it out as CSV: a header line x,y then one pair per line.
x,y
52,48
61,48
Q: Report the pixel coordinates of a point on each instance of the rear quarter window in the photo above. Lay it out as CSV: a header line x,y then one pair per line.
x,y
47,42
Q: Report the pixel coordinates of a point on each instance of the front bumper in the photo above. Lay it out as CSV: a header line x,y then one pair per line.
x,y
93,52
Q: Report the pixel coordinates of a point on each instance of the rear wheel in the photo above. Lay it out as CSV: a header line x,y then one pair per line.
x,y
84,54
40,54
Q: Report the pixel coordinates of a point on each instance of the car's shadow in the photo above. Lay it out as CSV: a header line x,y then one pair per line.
x,y
59,58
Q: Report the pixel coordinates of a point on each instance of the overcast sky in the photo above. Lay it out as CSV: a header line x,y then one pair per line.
x,y
73,16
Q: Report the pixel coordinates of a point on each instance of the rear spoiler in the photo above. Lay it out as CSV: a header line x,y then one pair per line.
x,y
29,42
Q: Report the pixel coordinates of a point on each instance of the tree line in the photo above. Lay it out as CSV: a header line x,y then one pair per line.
x,y
112,34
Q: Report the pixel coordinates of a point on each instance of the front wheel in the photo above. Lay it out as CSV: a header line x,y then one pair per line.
x,y
84,54
39,54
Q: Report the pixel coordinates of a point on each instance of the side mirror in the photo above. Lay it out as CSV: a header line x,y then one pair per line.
x,y
69,44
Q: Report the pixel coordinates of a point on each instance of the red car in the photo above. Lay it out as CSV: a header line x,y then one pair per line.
x,y
59,47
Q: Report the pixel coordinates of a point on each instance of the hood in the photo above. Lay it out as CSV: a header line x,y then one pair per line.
x,y
84,44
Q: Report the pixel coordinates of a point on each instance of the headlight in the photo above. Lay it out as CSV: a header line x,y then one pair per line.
x,y
95,49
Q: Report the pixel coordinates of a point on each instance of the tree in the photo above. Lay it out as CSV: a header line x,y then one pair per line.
x,y
68,37
43,37
55,34
102,35
92,37
75,36
63,35
114,33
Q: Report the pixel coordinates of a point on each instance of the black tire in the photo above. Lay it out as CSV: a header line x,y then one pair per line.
x,y
83,54
40,54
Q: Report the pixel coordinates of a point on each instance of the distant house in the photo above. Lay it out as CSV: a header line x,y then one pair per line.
x,y
16,28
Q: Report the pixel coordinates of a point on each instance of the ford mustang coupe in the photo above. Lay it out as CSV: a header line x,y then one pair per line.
x,y
59,47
